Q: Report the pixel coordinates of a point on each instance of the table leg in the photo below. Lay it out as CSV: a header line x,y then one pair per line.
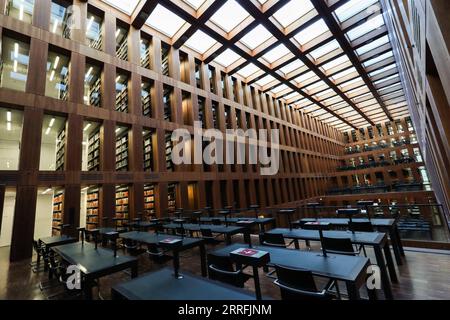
x,y
352,290
384,275
203,259
176,263
87,289
257,285
228,238
247,237
390,262
396,247
134,270
399,241
296,244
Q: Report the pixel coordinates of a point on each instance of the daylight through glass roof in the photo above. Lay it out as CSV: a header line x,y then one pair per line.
x,y
330,60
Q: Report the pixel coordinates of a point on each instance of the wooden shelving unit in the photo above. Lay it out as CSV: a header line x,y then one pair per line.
x,y
145,59
148,152
167,105
171,197
201,112
95,93
149,200
147,105
165,60
92,208
60,150
64,93
169,145
122,201
94,151
58,208
122,50
97,43
122,100
122,153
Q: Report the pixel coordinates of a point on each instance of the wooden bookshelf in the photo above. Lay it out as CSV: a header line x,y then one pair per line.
x,y
64,93
171,197
122,201
165,60
58,208
92,207
122,49
169,145
149,200
122,100
201,112
166,101
122,153
95,93
145,58
60,150
148,152
94,151
67,31
147,104
97,43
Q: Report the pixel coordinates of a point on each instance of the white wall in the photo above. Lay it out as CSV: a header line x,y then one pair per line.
x,y
83,206
8,219
44,215
48,157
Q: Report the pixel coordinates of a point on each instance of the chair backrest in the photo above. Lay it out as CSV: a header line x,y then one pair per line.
x,y
361,226
297,284
338,246
272,239
206,233
221,268
180,231
153,250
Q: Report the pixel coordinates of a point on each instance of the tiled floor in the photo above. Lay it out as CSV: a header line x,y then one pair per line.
x,y
425,275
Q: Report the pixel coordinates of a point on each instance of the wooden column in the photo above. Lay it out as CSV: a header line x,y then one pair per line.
x,y
23,227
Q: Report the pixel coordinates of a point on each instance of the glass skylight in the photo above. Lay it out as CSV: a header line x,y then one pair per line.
x,y
372,24
256,37
165,21
373,45
200,42
313,31
276,53
265,81
292,67
248,70
229,16
227,58
353,7
325,49
195,3
279,89
125,6
292,11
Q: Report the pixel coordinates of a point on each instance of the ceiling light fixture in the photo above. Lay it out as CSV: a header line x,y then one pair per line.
x,y
117,32
55,65
91,21
15,66
8,126
16,50
8,116
55,25
89,72
52,75
87,126
52,122
21,12
47,132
